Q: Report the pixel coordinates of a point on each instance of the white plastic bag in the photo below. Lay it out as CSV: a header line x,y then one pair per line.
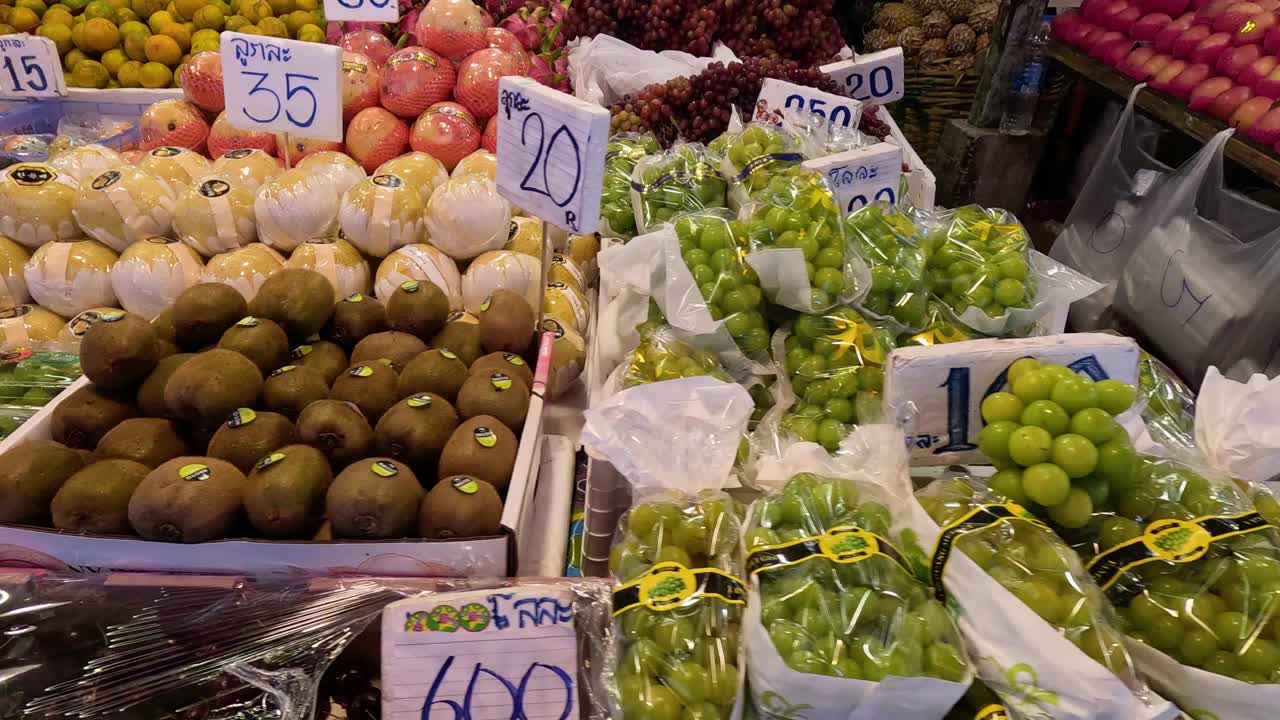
x,y
606,69
1238,426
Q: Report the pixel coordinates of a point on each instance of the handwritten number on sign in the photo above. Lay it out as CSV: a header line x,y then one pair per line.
x,y
840,115
291,90
35,76
1183,292
857,202
355,4
257,88
542,156
879,82
462,711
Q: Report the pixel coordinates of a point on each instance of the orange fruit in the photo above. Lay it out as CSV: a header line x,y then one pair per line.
x,y
23,19
60,35
209,16
158,20
58,16
135,45
113,59
70,60
179,33
100,34
162,49
89,74
130,74
155,75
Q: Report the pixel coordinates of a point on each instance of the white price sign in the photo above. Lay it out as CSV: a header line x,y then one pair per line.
x,y
862,177
366,10
551,153
481,655
30,68
778,95
876,78
283,85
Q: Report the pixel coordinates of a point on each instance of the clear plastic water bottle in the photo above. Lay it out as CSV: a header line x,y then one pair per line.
x,y
1024,93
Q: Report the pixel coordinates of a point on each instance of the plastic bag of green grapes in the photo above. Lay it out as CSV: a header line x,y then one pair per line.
x,y
681,180
1170,410
887,243
834,368
621,155
978,258
941,328
834,608
32,379
752,156
798,243
661,355
1041,632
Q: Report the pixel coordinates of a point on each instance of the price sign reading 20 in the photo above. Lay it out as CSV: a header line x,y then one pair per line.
x,y
283,85
551,153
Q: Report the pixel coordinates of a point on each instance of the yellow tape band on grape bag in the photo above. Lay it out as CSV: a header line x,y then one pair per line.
x,y
845,544
981,517
992,712
669,585
1176,541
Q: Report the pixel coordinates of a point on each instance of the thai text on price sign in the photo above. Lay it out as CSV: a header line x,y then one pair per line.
x,y
283,85
875,78
30,68
863,176
365,10
778,95
481,655
551,153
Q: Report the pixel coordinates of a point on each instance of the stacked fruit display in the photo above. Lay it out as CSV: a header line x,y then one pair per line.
x,y
395,424
1219,56
144,43
712,247
934,31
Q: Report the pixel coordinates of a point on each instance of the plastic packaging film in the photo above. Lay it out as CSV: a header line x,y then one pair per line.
x,y
752,156
625,149
683,179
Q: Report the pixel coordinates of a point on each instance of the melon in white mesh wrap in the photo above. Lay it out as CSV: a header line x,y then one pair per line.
x,y
125,205
152,273
71,277
466,217
337,260
296,206
512,271
419,262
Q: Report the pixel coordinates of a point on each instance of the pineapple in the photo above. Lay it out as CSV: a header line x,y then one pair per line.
x,y
936,25
877,40
911,40
957,10
983,17
984,42
934,50
895,17
961,40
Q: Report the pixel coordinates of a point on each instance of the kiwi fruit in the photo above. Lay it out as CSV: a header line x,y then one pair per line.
x,y
355,317
416,429
372,499
324,534
418,308
300,300
504,362
483,447
118,351
87,414
30,476
495,393
207,388
369,386
261,340
284,494
188,500
96,499
147,441
291,389
163,325
462,336
248,435
203,312
460,506
398,347
321,355
506,322
438,371
338,429
150,398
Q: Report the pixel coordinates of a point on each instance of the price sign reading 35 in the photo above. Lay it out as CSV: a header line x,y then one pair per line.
x,y
551,153
29,68
283,85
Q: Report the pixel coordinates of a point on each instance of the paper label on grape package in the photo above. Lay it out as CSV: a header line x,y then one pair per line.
x,y
362,10
875,78
30,68
983,516
511,652
670,585
844,544
938,390
863,176
778,95
285,86
551,150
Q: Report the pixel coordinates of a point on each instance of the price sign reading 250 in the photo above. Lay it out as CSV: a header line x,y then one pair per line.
x,y
551,153
283,85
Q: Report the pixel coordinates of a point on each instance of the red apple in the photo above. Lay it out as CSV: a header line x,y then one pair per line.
x,y
1208,12
1234,16
1188,79
1249,112
1269,85
1132,65
1257,70
1167,74
1271,40
1081,34
1168,7
1156,64
1188,40
1234,60
1268,5
1267,129
1228,101
1208,49
1254,30
1204,93
1089,36
1148,26
1109,10
1116,52
1089,9
1104,43
1063,25
1124,20
1198,4
1171,32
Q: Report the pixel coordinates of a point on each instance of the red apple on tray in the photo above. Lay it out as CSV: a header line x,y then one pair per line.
x,y
1190,39
1271,40
1133,63
1063,25
1090,8
1166,75
1249,112
1109,11
1228,101
1254,30
1208,49
1234,60
1269,85
1204,93
1187,81
1171,32
1104,44
1148,26
1257,70
1208,12
1168,7
1234,16
1267,128
1123,21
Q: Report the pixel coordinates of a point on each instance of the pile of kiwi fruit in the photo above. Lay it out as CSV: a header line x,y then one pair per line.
x,y
296,416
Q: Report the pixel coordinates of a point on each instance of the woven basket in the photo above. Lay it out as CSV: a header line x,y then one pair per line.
x,y
935,94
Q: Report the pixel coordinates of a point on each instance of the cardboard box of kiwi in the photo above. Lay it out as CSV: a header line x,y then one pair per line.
x,y
292,434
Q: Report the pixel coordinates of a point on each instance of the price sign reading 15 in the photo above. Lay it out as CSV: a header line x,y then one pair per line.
x,y
30,68
283,85
551,153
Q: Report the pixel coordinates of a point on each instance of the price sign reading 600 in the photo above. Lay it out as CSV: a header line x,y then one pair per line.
x,y
551,153
283,85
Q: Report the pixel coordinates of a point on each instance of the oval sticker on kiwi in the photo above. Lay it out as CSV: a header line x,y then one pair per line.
x,y
269,460
388,181
419,401
106,180
445,352
248,321
410,286
456,315
214,188
166,151
241,416
111,315
384,468
81,323
485,437
161,240
301,351
14,356
386,361
513,358
485,305
465,485
360,371
282,370
355,297
194,472
500,381
238,153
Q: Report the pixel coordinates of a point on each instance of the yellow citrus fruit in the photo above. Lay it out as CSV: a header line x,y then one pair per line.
x,y
133,26
36,6
204,45
274,27
306,4
55,6
158,20
209,17
204,34
101,34
113,59
135,45
71,59
187,8
124,15
23,19
130,74
118,4
58,16
77,36
311,33
172,9
146,8
280,8
89,74
250,30
297,19
100,9
155,75
256,10
235,22
7,29
75,5
60,35
4,12
224,7
179,33
162,49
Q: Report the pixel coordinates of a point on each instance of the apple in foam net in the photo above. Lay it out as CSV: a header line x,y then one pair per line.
x,y
1167,74
1208,49
489,140
1228,101
1155,64
1189,79
1233,61
1267,128
1115,52
1171,32
1148,26
1206,91
1190,39
447,132
1249,112
1123,21
478,76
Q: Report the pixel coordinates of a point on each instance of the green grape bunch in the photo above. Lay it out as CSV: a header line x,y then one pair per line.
x,y
864,620
682,180
797,209
621,155
713,248
897,265
980,259
755,155
662,356
940,328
